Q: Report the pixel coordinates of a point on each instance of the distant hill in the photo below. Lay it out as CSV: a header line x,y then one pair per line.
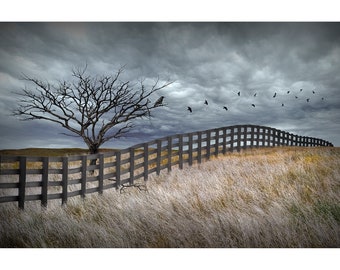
x,y
49,152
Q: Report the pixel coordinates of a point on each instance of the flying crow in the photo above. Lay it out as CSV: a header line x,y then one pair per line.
x,y
206,102
225,107
189,109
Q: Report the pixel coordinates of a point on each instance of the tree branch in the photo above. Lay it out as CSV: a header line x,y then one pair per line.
x,y
89,107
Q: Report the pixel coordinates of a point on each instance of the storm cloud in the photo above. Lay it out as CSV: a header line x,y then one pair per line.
x,y
206,61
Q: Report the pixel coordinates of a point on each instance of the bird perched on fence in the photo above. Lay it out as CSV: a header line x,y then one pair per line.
x,y
159,102
189,109
206,102
225,107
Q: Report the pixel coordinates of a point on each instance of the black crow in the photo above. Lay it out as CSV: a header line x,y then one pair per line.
x,y
206,102
239,93
225,107
253,105
159,101
288,92
189,109
307,99
274,95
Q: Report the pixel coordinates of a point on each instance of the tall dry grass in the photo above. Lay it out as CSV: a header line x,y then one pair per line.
x,y
274,197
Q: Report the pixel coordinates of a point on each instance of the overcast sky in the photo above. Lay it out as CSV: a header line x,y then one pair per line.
x,y
206,61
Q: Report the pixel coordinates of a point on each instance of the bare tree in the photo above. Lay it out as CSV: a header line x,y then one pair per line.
x,y
97,109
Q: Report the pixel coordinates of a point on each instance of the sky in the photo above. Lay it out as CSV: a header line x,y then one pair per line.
x,y
210,61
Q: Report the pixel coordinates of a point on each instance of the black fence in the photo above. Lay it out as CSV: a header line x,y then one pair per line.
x,y
25,179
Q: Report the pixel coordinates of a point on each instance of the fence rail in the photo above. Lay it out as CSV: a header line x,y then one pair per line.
x,y
25,179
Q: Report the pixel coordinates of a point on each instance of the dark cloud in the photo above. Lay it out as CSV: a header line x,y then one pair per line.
x,y
210,61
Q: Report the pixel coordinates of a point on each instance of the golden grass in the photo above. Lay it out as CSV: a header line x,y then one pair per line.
x,y
273,197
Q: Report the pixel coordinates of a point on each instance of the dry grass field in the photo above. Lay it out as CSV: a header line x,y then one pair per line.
x,y
272,197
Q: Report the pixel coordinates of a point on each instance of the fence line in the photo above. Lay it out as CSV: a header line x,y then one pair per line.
x,y
46,178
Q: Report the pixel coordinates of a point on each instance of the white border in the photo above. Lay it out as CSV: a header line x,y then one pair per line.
x,y
170,10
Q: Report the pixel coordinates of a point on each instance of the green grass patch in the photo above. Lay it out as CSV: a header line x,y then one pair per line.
x,y
328,209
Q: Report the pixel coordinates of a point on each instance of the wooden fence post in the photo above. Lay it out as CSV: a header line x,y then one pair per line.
x,y
257,136
64,180
238,139
224,141
263,137
313,142
83,176
274,137
270,138
217,138
232,139
284,141
169,152
199,147
296,140
180,151
159,153
44,184
146,161
22,182
101,174
208,144
132,165
118,161
245,133
190,149
252,135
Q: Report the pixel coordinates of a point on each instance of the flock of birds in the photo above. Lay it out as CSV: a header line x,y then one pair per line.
x,y
159,102
253,105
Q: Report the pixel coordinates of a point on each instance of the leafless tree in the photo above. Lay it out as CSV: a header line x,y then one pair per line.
x,y
95,108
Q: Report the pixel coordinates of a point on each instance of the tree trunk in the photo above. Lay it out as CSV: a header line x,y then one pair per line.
x,y
94,149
